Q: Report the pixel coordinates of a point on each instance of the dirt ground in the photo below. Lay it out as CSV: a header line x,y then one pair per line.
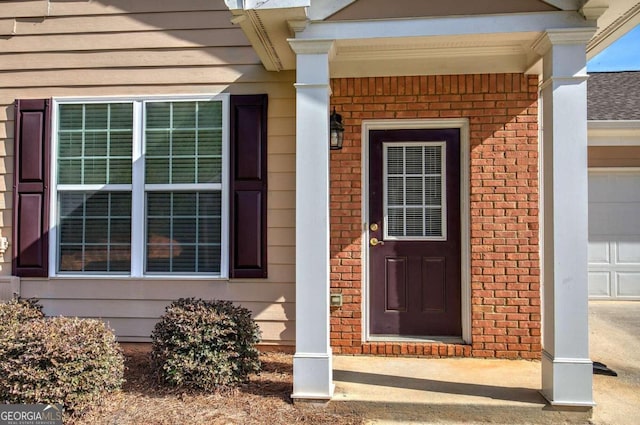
x,y
263,400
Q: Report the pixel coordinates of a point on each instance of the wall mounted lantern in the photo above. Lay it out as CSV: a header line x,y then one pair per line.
x,y
336,130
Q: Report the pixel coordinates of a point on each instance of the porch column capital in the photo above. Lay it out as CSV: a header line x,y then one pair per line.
x,y
566,367
311,47
554,37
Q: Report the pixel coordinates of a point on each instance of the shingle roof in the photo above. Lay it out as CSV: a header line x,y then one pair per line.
x,y
613,96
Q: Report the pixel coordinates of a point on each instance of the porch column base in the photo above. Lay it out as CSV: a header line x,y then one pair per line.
x,y
312,375
566,382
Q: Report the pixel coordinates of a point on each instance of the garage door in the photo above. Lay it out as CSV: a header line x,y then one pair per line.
x,y
614,235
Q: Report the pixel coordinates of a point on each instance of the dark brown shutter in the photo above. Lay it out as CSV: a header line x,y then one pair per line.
x,y
248,206
31,187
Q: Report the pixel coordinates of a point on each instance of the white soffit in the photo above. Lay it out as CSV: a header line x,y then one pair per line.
x,y
433,55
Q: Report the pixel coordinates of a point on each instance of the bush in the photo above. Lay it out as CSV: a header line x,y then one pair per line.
x,y
62,360
19,310
205,345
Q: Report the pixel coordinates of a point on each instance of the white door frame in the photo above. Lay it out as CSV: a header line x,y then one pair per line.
x,y
465,235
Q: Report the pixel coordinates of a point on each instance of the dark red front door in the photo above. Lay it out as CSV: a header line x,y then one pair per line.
x,y
414,233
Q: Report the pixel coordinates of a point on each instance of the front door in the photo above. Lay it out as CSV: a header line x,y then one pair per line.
x,y
414,233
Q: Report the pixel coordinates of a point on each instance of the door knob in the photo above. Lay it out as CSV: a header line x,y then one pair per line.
x,y
375,241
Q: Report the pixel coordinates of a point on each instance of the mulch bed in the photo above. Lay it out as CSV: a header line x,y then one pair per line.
x,y
263,400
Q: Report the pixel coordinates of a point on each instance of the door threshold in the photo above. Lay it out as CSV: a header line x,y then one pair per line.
x,y
417,339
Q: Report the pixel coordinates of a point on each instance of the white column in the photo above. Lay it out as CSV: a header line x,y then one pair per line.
x,y
312,370
566,367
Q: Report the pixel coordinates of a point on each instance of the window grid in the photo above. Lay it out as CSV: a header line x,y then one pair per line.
x,y
414,214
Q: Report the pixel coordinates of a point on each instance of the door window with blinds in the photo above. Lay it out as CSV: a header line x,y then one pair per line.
x,y
415,191
140,187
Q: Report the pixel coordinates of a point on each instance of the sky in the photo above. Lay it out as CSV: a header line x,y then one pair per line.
x,y
623,55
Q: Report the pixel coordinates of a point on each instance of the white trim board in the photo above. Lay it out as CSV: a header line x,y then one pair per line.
x,y
465,225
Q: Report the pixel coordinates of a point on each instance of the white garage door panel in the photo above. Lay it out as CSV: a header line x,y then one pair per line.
x,y
599,253
599,284
628,284
614,235
629,252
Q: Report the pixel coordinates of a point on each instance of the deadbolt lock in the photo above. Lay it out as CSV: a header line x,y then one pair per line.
x,y
374,227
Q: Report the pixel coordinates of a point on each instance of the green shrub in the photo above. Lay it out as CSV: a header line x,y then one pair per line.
x,y
60,360
205,345
19,310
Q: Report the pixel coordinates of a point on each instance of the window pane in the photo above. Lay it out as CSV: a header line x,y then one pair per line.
x,y
210,143
70,117
183,232
183,170
95,232
183,142
91,139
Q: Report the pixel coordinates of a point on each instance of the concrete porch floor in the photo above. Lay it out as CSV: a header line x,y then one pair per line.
x,y
463,391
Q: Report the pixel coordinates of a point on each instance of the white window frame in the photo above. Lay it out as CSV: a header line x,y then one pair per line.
x,y
138,188
443,194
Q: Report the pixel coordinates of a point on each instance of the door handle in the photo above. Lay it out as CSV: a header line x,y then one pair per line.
x,y
375,241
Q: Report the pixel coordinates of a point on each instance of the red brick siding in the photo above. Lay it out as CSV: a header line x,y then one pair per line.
x,y
505,270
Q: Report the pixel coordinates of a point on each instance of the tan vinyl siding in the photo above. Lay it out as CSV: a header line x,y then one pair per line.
x,y
614,156
146,48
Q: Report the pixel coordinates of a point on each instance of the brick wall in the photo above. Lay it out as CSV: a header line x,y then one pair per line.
x,y
505,275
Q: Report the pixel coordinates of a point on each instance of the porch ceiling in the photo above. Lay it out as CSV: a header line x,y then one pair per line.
x,y
453,54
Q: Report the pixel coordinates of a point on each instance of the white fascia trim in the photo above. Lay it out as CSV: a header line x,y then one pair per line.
x,y
444,26
465,212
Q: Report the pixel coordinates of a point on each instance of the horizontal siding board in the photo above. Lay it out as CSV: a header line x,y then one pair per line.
x,y
125,22
275,89
614,156
281,200
24,8
44,8
106,289
210,56
143,76
125,41
282,254
282,144
67,8
141,309
141,328
282,181
281,217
